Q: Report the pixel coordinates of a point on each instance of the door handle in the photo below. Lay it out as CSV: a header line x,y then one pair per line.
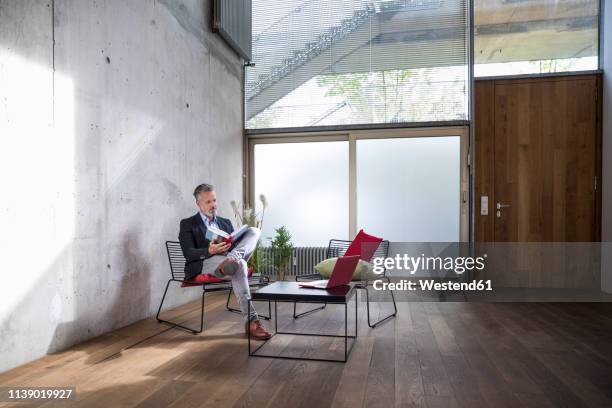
x,y
500,206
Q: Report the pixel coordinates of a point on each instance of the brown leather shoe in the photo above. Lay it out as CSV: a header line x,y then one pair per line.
x,y
257,330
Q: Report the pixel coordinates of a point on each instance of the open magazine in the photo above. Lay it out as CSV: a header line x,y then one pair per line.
x,y
217,235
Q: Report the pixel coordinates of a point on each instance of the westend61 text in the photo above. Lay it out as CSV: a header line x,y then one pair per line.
x,y
430,284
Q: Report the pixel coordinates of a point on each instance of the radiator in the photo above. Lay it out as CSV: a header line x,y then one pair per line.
x,y
304,260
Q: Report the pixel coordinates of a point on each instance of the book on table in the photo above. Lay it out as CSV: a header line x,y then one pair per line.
x,y
217,235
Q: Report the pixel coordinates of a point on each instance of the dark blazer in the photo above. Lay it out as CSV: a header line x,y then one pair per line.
x,y
194,243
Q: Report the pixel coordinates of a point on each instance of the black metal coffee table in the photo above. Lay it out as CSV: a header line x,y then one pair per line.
x,y
292,292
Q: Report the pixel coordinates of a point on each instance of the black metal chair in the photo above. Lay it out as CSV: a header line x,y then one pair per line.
x,y
177,272
337,248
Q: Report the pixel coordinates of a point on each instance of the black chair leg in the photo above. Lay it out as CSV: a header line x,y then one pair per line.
x,y
177,324
372,325
297,316
162,301
238,311
227,306
202,311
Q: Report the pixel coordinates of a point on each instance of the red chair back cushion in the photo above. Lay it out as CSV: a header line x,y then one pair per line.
x,y
363,245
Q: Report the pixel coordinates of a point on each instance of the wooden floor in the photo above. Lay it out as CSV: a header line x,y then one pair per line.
x,y
433,354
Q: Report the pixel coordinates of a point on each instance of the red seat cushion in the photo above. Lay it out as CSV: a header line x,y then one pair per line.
x,y
205,278
363,245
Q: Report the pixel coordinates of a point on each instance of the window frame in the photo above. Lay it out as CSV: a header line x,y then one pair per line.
x,y
352,136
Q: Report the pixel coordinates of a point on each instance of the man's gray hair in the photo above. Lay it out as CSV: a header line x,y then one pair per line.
x,y
202,188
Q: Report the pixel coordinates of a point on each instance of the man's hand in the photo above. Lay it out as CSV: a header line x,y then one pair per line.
x,y
214,249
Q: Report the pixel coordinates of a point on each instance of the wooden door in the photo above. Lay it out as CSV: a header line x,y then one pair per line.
x,y
544,160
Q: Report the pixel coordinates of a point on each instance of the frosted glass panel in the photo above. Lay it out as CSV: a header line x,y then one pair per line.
x,y
408,190
307,188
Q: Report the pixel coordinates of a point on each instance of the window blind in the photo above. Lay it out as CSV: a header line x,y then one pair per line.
x,y
340,62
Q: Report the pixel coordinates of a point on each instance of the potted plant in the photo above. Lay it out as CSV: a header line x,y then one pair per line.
x,y
281,249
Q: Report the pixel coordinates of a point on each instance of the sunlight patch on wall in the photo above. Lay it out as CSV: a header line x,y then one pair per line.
x,y
37,179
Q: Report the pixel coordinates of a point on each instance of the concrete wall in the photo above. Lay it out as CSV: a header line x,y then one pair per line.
x,y
102,140
606,219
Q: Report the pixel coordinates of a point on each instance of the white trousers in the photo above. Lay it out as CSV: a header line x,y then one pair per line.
x,y
240,283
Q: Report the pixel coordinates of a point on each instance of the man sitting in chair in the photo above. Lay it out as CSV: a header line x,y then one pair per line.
x,y
220,259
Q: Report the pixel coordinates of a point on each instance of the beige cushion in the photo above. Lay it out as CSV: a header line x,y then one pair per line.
x,y
362,271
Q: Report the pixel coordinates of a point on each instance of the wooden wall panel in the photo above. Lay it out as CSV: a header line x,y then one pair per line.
x,y
484,135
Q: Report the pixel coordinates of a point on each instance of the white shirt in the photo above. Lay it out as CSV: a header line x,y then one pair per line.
x,y
207,221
